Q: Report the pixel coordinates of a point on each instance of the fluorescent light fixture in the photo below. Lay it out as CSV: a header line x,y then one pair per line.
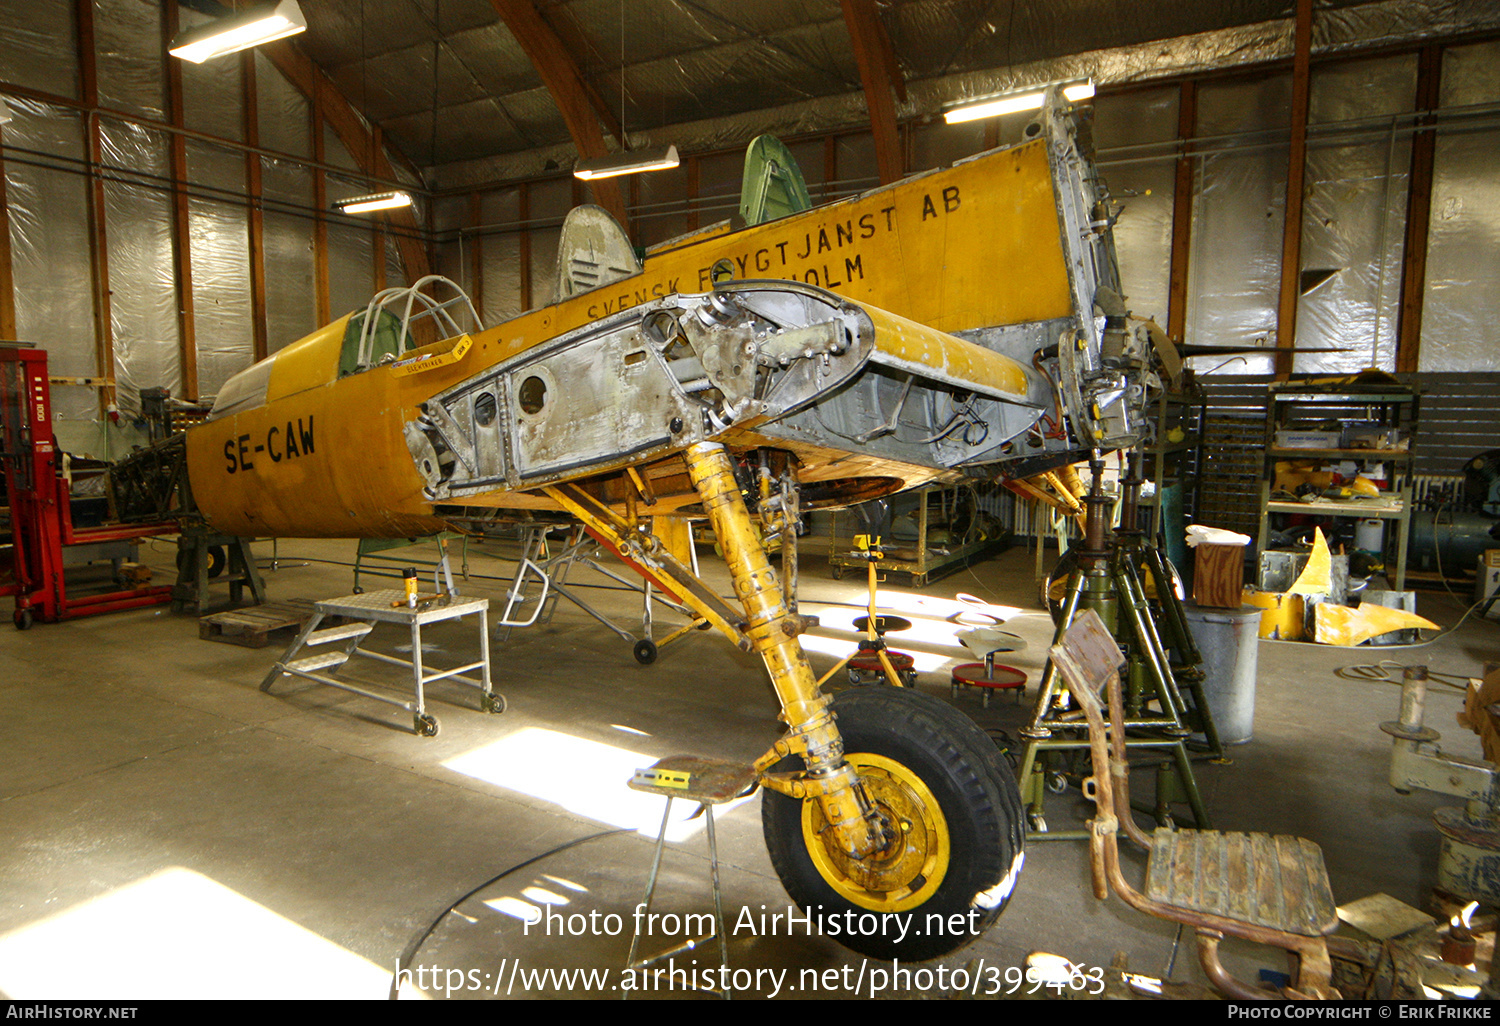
x,y
5,117
1079,91
239,31
1011,103
375,201
627,162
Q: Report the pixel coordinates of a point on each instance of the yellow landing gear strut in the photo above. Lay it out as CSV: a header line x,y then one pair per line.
x,y
915,834
772,630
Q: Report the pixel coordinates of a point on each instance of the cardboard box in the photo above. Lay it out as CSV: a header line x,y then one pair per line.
x,y
1287,438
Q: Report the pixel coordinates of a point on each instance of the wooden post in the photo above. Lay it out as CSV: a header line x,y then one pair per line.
x,y
1418,211
259,330
1296,176
182,256
1182,210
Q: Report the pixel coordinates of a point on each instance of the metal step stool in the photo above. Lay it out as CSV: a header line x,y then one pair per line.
x,y
708,782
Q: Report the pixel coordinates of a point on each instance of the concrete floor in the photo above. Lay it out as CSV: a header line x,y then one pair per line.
x,y
168,830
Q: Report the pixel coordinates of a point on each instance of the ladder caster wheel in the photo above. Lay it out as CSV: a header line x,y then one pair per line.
x,y
645,652
494,703
24,620
854,678
426,725
358,590
1057,783
837,572
1038,824
909,678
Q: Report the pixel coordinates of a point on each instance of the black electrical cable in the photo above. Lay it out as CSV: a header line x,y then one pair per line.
x,y
404,962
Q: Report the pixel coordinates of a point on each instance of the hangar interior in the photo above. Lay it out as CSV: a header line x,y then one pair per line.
x,y
1306,185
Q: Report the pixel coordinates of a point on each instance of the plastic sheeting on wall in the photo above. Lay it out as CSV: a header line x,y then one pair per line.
x,y
213,93
1143,189
142,279
660,213
284,118
500,258
1459,327
49,250
1234,271
351,268
939,144
395,269
41,48
291,297
219,244
127,56
1354,217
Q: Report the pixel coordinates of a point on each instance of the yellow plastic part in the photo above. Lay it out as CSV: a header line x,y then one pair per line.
x,y
1341,625
1317,576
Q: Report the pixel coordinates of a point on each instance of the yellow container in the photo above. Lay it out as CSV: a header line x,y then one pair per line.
x,y
1282,615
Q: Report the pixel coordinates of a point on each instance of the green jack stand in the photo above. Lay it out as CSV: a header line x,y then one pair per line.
x,y
1108,581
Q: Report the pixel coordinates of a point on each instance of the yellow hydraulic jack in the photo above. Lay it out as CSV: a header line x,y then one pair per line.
x,y
867,546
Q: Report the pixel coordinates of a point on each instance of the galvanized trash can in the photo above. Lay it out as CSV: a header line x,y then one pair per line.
x,y
1228,639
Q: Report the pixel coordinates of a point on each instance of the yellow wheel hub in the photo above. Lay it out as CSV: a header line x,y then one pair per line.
x,y
911,867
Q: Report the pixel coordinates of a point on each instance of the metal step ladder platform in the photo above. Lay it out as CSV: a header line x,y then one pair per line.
x,y
388,606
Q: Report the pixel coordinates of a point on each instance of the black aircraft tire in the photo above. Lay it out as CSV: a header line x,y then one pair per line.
x,y
930,768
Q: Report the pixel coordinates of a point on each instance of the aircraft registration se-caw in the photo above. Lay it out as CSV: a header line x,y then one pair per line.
x,y
967,321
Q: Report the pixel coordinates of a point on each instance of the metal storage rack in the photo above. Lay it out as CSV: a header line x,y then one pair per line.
x,y
923,559
1370,406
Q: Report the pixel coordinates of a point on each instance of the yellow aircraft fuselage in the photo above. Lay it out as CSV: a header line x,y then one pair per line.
x,y
973,246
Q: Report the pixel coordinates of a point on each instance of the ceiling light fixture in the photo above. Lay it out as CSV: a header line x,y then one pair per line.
x,y
627,162
1010,103
239,31
375,201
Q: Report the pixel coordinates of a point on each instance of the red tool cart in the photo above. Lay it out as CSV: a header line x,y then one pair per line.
x,y
41,508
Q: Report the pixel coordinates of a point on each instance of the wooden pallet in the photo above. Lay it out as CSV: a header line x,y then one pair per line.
x,y
253,626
